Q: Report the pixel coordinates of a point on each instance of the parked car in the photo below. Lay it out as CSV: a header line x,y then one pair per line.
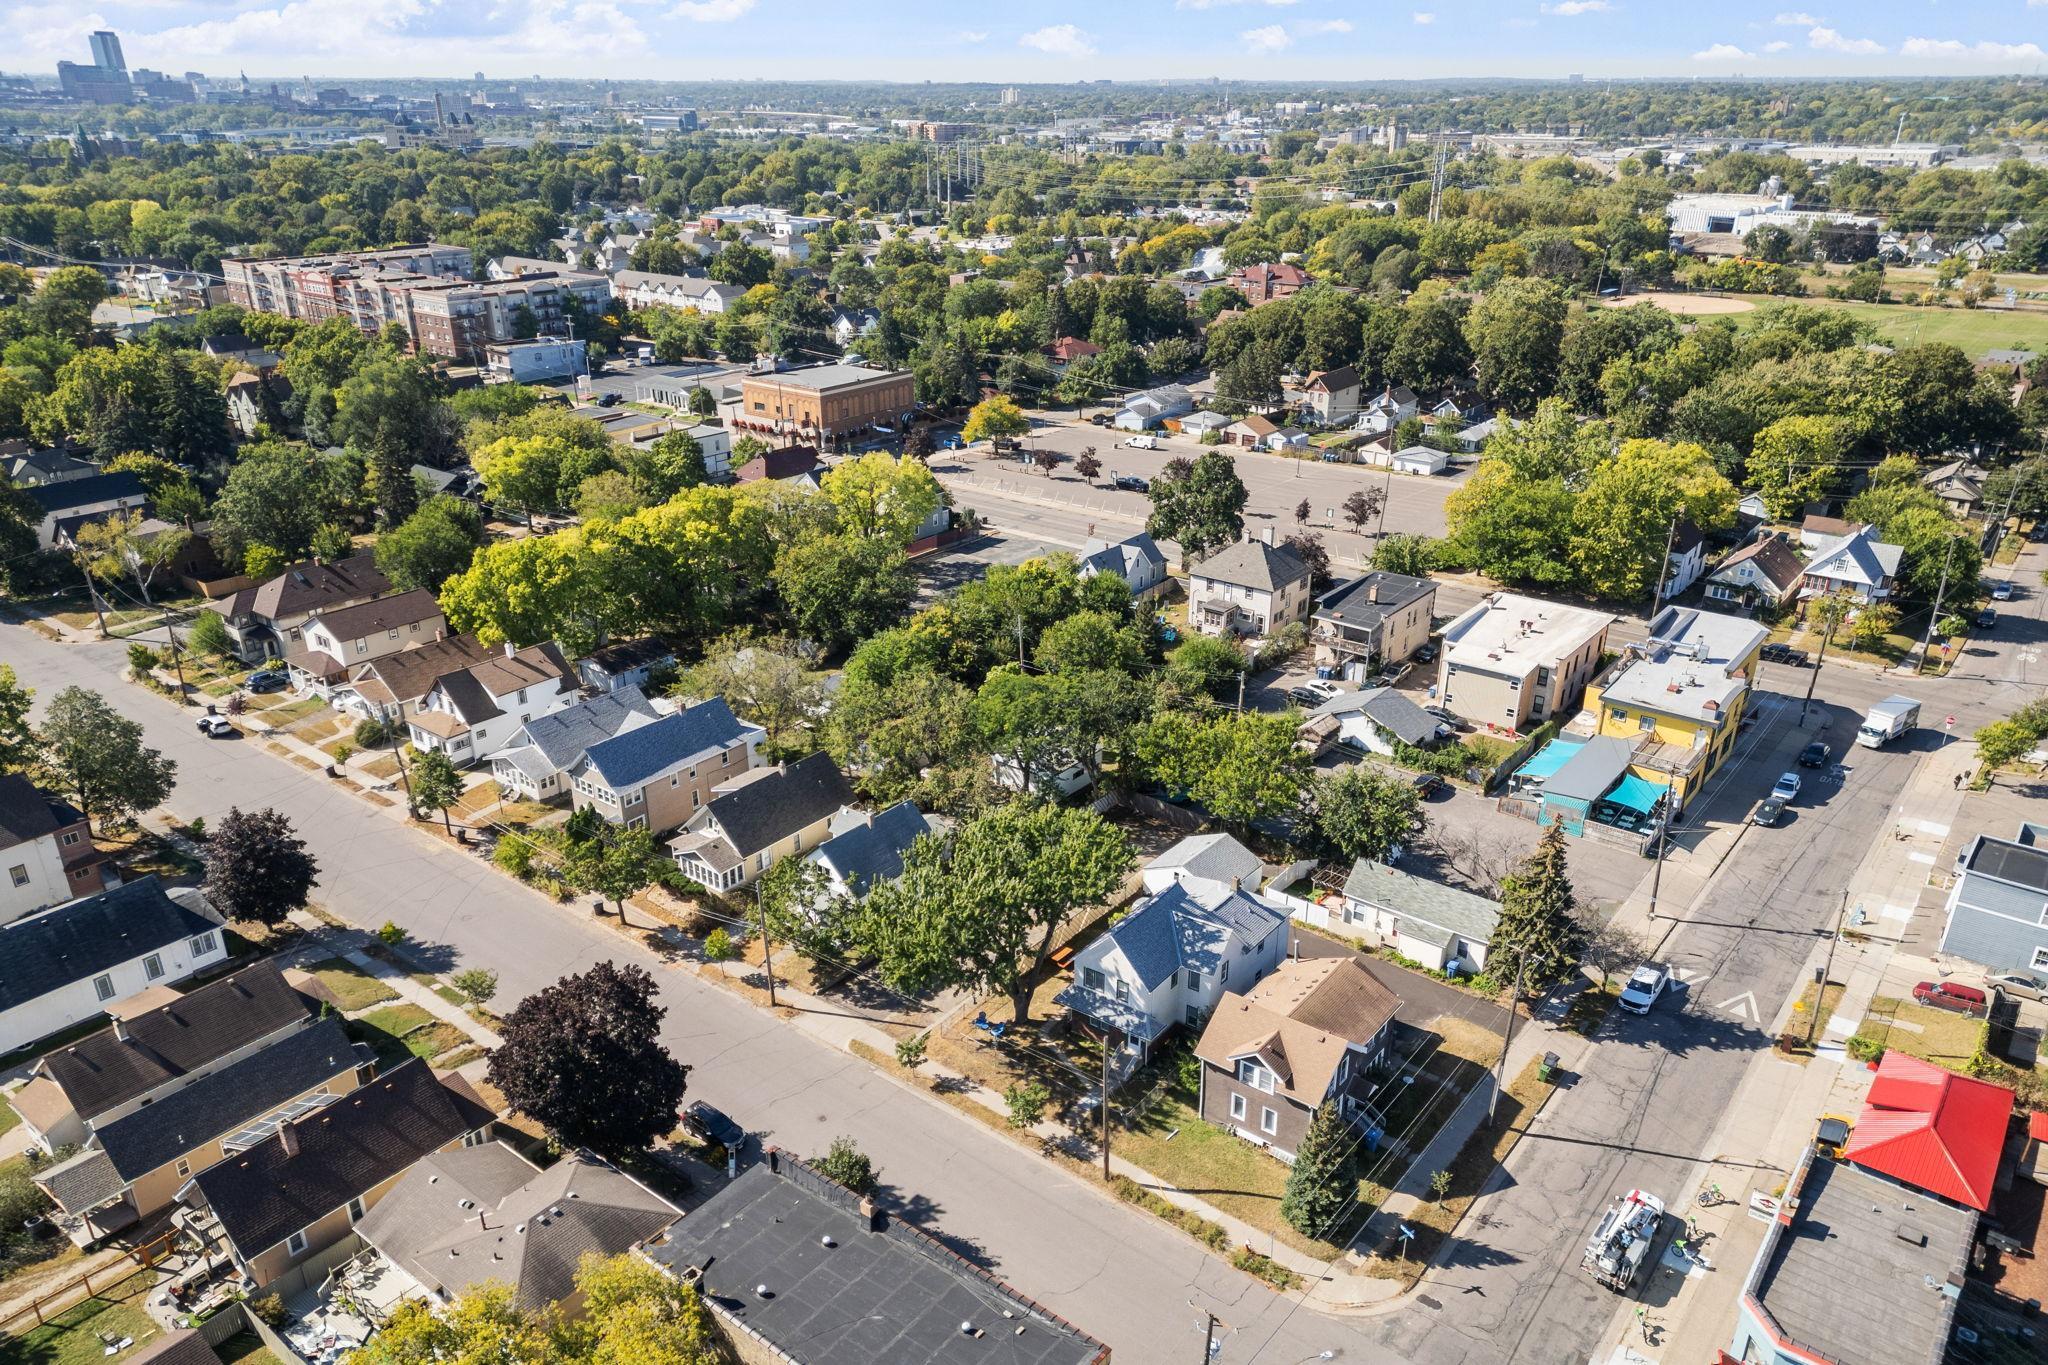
x,y
1456,722
1425,654
1645,984
1428,785
215,727
1948,995
2001,591
2020,984
1101,419
607,400
1986,619
1815,755
1783,654
1143,441
1786,787
713,1126
1313,693
267,680
1767,812
1130,483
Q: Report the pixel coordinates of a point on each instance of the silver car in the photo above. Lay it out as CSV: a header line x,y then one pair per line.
x,y
2020,984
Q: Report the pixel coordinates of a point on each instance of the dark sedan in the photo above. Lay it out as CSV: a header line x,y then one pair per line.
x,y
1815,755
713,1126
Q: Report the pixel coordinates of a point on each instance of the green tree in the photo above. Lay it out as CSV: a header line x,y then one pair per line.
x,y
1365,812
1539,932
121,544
436,785
764,679
882,497
278,494
209,636
1323,1182
17,737
480,984
95,757
1207,667
994,419
978,908
839,590
432,545
674,462
1622,518
1796,460
1199,503
626,867
257,868
845,1164
1243,766
1405,552
1516,333
2003,742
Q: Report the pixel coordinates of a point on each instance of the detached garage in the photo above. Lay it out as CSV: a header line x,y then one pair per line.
x,y
1419,460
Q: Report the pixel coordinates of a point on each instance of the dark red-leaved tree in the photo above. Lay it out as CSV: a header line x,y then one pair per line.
x,y
257,868
584,1059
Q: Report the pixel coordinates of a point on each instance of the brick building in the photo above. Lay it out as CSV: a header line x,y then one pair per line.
x,y
825,401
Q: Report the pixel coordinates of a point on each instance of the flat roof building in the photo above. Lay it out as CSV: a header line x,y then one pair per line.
x,y
825,402
1513,661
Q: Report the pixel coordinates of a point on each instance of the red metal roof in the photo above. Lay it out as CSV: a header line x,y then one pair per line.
x,y
1932,1129
2037,1126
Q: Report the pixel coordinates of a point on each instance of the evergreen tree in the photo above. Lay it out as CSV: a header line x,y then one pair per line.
x,y
1537,930
1324,1179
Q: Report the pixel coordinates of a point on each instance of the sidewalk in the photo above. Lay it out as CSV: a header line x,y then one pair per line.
x,y
1772,1116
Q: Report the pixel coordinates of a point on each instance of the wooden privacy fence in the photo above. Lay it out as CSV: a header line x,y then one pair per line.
x,y
41,1308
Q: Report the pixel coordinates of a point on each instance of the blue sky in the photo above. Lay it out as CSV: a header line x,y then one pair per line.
x,y
1049,41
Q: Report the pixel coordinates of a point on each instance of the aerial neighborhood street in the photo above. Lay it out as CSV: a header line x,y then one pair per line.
x,y
1259,720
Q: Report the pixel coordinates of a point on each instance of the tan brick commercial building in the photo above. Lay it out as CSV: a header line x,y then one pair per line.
x,y
825,401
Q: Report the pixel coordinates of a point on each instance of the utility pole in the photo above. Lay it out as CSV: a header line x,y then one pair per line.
x,y
767,944
1927,641
1105,1105
1820,994
1664,569
1657,868
177,659
1500,1068
1827,634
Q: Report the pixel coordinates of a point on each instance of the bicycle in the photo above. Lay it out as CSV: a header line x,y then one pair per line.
x,y
1711,1195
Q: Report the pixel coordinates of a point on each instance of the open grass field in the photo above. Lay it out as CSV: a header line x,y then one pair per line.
x,y
1972,330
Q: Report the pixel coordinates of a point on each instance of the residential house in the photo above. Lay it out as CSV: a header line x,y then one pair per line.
x,y
69,503
1314,1032
464,1217
1818,532
799,464
132,1168
1067,350
536,360
1375,720
849,1282
534,764
182,1346
1959,483
1997,910
1135,559
266,620
1373,622
158,1042
848,325
46,849
460,482
471,711
1677,699
1143,411
1472,439
626,663
1252,431
1201,422
866,848
1854,1267
1764,573
1171,960
332,642
760,818
1442,927
659,775
1210,867
28,468
63,966
1250,588
1268,281
644,289
1926,1126
1685,561
281,1206
1332,395
1423,460
1513,662
392,687
255,401
1395,405
1858,566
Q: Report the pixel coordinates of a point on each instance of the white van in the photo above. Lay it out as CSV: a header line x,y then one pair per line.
x,y
1143,442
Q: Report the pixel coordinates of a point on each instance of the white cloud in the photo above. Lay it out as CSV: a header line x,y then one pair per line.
x,y
712,11
1722,52
47,34
1060,40
1950,49
1798,19
1220,4
973,35
1569,8
1315,26
1271,38
1828,40
1423,16
1779,46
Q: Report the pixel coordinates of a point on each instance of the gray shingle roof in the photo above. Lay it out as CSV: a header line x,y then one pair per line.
x,y
1254,564
1421,901
185,1347
83,1181
773,807
873,850
43,952
70,493
25,813
1174,930
103,1069
634,755
305,588
527,1228
160,1133
350,1147
1388,709
851,1289
1364,603
1122,557
1212,857
559,739
379,614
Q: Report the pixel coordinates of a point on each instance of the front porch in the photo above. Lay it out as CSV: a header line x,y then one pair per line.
x,y
1134,1030
1215,616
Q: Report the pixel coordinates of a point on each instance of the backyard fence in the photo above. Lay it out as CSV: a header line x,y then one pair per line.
x,y
39,1310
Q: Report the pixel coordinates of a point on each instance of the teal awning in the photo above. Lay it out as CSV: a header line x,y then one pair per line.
x,y
1547,759
1637,793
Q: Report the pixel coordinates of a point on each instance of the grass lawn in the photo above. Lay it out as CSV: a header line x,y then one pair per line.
x,y
409,1028
245,1348
433,1041
1940,1036
288,712
73,1337
1973,330
353,987
399,1019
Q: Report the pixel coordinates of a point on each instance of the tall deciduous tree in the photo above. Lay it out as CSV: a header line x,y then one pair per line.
x,y
95,756
257,868
17,737
432,545
1516,332
1538,931
1365,812
978,908
994,419
584,1059
1199,503
436,785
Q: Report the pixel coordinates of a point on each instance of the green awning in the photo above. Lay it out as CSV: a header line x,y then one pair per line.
x,y
1637,793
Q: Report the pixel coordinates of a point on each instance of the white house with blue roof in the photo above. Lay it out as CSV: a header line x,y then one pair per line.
x,y
1171,959
1136,559
867,848
656,776
534,764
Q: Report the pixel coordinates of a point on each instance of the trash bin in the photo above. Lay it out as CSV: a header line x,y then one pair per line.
x,y
1546,1070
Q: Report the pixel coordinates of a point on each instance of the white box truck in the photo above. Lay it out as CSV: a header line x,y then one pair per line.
x,y
1886,721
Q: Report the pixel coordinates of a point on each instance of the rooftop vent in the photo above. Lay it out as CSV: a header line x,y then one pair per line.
x,y
826,1241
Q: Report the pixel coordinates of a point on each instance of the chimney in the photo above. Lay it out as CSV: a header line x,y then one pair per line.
x,y
288,1138
1268,535
1372,592
121,1029
511,650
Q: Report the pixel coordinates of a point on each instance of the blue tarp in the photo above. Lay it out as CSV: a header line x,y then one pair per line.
x,y
1637,793
1548,759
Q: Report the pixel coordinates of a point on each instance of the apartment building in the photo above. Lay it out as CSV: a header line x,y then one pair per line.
x,y
1513,661
825,401
320,287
